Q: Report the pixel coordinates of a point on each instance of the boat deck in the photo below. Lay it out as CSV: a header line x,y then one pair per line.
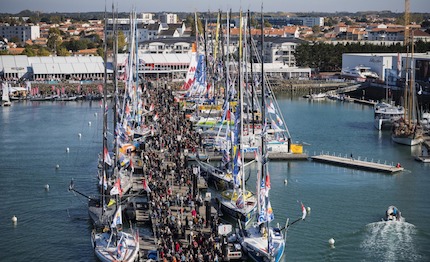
x,y
354,163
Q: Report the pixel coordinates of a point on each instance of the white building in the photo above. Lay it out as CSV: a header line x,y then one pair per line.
x,y
168,18
23,32
390,66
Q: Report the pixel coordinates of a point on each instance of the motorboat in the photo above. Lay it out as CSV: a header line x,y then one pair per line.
x,y
393,214
360,71
385,114
318,96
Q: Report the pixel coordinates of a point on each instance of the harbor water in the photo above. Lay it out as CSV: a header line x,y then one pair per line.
x,y
50,143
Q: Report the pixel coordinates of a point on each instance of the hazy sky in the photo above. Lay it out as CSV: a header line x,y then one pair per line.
x,y
398,6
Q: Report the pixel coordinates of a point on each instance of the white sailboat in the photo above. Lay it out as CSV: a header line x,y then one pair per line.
x,y
261,241
238,202
113,244
5,100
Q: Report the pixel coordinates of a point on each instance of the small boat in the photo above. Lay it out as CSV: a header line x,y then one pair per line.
x,y
386,114
318,96
393,214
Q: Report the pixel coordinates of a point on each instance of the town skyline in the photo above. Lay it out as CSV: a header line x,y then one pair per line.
x,y
329,6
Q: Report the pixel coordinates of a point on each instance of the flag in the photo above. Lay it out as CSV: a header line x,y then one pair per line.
x,y
103,181
279,120
145,186
269,212
120,248
107,158
239,202
303,211
116,190
152,107
117,219
155,118
271,108
267,184
275,126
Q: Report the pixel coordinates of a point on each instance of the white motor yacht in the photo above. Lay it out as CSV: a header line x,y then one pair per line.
x,y
385,114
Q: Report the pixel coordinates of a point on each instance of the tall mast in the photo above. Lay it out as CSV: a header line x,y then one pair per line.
x,y
252,73
104,112
263,135
241,103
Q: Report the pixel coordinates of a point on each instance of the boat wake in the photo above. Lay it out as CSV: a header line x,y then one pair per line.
x,y
390,241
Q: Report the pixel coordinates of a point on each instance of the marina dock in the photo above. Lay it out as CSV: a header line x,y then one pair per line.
x,y
211,156
359,164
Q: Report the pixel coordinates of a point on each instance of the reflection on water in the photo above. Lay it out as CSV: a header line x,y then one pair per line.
x,y
390,241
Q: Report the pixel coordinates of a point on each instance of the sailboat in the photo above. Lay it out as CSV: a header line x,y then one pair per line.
x,y
113,244
407,130
239,202
261,241
5,100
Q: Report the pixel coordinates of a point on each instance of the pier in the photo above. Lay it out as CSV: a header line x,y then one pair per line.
x,y
359,164
248,156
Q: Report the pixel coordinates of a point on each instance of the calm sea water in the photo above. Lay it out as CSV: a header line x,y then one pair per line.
x,y
346,204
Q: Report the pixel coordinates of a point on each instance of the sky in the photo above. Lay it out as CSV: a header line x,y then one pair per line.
x,y
50,6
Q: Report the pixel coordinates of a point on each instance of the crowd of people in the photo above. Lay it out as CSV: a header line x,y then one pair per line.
x,y
174,200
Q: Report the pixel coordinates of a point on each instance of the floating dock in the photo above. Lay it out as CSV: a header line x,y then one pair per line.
x,y
359,164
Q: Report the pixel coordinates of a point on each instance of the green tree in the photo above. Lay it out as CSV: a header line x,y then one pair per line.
x,y
43,52
29,51
122,45
100,52
62,51
54,39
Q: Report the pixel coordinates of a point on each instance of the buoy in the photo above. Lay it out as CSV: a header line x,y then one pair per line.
x,y
47,187
285,181
308,210
80,135
331,242
57,166
67,149
14,219
89,123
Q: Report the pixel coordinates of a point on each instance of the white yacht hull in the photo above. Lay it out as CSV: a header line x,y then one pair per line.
x,y
407,140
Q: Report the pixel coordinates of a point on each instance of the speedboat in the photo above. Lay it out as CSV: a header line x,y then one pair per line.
x,y
393,214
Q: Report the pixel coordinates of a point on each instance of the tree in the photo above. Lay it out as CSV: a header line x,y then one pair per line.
x,y
62,51
316,29
43,52
29,51
122,45
54,38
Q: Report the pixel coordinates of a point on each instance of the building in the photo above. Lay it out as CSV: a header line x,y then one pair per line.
x,y
391,67
168,18
58,68
285,21
22,32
